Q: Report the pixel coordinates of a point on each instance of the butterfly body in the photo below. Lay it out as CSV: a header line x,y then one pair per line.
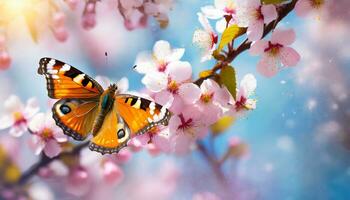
x,y
85,108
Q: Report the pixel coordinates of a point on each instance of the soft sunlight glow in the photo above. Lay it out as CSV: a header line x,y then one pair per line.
x,y
13,7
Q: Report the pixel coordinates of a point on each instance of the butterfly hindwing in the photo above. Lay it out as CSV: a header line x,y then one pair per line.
x,y
141,114
113,134
65,81
75,117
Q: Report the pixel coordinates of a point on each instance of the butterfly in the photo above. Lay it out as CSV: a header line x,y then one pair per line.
x,y
85,108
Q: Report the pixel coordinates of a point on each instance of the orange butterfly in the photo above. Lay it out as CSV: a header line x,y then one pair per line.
x,y
85,107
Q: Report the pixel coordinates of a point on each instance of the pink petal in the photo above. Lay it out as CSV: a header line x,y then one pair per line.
x,y
32,107
205,23
258,47
38,144
52,148
303,8
153,150
284,37
174,123
18,130
155,81
255,30
189,92
37,122
59,136
210,113
179,71
177,105
138,142
78,182
182,144
222,96
162,142
269,12
112,174
123,156
209,86
164,98
267,66
289,57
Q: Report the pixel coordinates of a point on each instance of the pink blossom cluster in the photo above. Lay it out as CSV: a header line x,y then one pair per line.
x,y
5,59
254,16
136,12
195,108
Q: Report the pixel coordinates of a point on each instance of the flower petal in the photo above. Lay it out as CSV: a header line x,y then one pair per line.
x,y
6,121
269,12
123,85
205,23
155,81
289,57
13,104
258,47
303,8
211,12
164,98
179,71
221,25
32,107
18,130
103,81
145,63
248,84
255,30
36,123
52,148
161,50
284,37
189,92
267,66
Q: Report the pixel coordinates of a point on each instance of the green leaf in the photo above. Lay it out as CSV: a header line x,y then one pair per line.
x,y
228,78
272,1
228,35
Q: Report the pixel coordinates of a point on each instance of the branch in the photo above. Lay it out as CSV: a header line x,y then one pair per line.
x,y
245,45
44,161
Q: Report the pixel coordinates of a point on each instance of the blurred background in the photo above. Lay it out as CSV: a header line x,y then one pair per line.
x,y
298,137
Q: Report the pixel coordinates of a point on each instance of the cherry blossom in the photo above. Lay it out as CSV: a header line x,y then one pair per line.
x,y
209,98
89,15
58,26
243,102
306,7
221,9
275,51
112,174
205,38
158,60
72,4
254,15
16,115
46,135
5,59
185,128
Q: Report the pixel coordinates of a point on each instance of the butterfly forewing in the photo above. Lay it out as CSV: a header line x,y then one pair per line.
x,y
65,81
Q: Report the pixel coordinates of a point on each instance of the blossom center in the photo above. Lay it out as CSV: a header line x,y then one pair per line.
x,y
230,8
46,133
207,97
273,49
214,39
162,66
240,104
19,118
258,14
185,124
173,87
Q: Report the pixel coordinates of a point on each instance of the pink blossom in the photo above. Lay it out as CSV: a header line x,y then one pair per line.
x,y
185,128
220,9
205,39
243,101
5,60
209,98
78,181
205,196
158,60
72,4
254,15
58,26
16,115
123,156
89,15
46,135
306,7
275,51
112,174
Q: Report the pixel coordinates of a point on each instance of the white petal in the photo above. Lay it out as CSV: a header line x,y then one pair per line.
x,y
205,23
221,25
248,83
155,81
211,12
37,122
176,54
162,50
6,121
103,81
18,130
13,104
31,108
123,85
179,71
189,92
145,63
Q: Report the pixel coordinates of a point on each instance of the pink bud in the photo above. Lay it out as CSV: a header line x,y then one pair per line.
x,y
2,42
123,156
112,174
153,150
5,60
89,20
60,33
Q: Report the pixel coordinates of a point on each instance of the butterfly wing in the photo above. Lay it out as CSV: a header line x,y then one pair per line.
x,y
75,116
141,114
65,81
113,134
